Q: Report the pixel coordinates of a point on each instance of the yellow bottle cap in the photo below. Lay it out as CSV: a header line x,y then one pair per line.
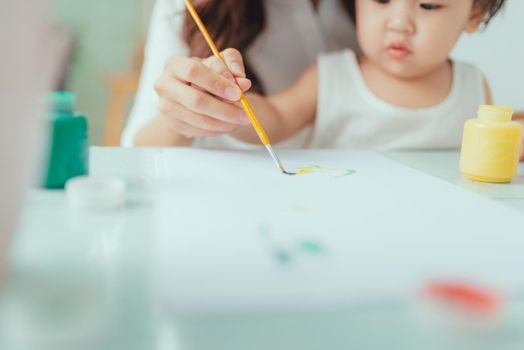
x,y
495,113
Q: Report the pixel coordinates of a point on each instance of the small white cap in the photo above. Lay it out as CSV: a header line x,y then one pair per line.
x,y
95,193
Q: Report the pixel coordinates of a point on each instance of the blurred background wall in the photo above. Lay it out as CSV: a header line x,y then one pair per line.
x,y
499,52
107,35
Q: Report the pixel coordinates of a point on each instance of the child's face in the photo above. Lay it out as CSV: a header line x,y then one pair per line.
x,y
410,38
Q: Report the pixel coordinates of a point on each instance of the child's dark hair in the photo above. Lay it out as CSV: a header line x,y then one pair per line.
x,y
489,7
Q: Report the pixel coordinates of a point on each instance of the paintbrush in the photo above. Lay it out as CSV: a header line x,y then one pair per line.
x,y
243,100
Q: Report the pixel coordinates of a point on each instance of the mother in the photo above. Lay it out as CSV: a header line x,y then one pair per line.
x,y
192,103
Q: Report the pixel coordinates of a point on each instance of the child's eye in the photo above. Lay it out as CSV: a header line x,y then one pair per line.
x,y
429,6
382,1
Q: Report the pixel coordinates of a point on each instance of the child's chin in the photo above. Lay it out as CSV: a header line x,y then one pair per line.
x,y
401,70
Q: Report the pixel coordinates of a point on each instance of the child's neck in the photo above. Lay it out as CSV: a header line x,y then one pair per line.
x,y
419,92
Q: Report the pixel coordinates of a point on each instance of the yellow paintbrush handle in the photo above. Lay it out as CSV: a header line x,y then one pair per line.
x,y
254,120
202,28
243,100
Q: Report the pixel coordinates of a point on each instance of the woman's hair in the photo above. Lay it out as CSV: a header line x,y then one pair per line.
x,y
231,23
237,23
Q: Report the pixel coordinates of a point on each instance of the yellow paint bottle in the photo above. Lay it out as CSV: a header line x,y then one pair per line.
x,y
491,145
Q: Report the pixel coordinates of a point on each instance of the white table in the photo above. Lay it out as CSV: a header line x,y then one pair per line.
x,y
89,274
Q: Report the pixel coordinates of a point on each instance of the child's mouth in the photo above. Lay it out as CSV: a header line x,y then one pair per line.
x,y
398,52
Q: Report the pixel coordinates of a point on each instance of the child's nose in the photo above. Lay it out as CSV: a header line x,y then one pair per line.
x,y
402,22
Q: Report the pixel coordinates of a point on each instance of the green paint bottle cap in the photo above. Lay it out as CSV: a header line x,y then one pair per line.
x,y
62,102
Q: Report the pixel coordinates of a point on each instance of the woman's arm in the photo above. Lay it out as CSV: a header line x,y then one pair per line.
x,y
158,133
286,113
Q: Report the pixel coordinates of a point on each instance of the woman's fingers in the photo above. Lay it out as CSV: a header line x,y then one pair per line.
x,y
215,64
219,67
203,122
235,62
231,67
194,72
244,84
190,131
200,102
191,124
199,97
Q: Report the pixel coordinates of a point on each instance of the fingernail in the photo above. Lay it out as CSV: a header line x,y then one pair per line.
x,y
235,67
232,93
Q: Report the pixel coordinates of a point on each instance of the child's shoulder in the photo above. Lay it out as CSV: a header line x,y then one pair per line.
x,y
343,60
465,68
338,55
469,77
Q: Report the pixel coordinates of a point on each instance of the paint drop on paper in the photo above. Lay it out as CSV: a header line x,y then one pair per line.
x,y
302,209
305,170
291,252
328,171
312,247
283,256
349,172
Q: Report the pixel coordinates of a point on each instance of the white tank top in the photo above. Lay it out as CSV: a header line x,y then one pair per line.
x,y
350,116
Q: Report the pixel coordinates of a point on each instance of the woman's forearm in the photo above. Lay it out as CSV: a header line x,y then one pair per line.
x,y
157,134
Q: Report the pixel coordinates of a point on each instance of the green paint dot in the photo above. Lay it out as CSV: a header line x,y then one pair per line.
x,y
282,256
312,247
348,172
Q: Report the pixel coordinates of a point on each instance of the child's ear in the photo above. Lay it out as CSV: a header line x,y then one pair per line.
x,y
476,18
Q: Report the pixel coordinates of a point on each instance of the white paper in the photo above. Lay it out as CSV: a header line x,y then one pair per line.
x,y
231,232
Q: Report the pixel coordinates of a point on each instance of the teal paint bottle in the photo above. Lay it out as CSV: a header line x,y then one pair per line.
x,y
68,142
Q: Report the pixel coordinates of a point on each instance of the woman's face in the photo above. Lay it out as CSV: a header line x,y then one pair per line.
x,y
410,38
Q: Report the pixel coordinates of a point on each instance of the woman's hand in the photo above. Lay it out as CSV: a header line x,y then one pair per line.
x,y
197,97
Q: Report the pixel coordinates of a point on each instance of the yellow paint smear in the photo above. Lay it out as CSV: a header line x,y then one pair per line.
x,y
302,209
305,170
